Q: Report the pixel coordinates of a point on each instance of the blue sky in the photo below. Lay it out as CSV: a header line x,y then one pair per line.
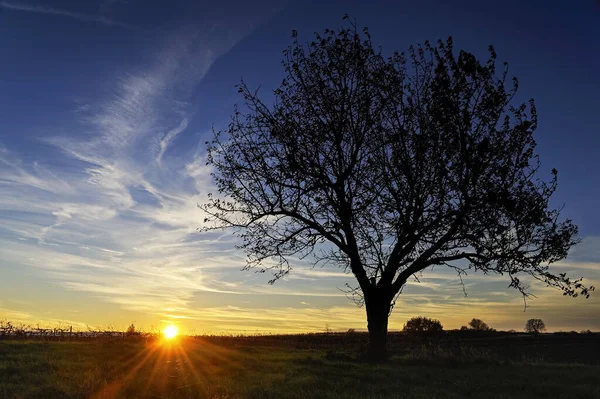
x,y
104,110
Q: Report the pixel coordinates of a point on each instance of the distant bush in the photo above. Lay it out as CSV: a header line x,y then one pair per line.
x,y
572,332
422,324
535,326
479,325
131,330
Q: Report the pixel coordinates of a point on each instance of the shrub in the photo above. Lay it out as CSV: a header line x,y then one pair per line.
x,y
422,324
131,330
479,325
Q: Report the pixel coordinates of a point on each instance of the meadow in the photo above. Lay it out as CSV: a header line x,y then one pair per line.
x,y
449,365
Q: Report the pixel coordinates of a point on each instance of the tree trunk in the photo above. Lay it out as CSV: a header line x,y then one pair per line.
x,y
378,312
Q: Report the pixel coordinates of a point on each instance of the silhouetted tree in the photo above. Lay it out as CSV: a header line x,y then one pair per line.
x,y
131,330
535,326
422,324
386,167
479,325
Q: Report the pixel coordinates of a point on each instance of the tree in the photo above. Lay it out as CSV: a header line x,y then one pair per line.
x,y
422,325
478,325
387,167
131,330
535,326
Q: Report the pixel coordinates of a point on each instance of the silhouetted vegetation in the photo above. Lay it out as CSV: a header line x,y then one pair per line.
x,y
21,331
131,330
479,325
535,326
422,325
387,166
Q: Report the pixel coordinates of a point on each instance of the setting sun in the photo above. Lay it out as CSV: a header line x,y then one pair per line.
x,y
170,332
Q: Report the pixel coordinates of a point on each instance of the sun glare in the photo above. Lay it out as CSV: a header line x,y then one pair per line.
x,y
170,332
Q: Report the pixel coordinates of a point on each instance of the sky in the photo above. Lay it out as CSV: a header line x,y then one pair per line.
x,y
105,107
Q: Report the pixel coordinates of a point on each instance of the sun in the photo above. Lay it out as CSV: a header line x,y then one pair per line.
x,y
170,332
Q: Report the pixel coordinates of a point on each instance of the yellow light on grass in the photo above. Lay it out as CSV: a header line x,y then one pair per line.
x,y
170,332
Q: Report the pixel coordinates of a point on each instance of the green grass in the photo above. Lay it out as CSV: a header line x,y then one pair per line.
x,y
204,368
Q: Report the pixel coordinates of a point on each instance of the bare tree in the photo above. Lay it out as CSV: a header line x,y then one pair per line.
x,y
387,167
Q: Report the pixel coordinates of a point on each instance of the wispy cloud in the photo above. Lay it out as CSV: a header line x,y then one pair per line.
x,y
41,9
119,224
36,176
168,138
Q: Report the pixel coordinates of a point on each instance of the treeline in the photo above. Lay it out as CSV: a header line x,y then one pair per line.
x,y
428,325
10,330
413,326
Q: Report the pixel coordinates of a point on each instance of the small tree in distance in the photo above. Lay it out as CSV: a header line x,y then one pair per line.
x,y
535,326
479,325
131,330
388,166
422,325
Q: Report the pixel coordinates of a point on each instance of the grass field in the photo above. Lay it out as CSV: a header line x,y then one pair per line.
x,y
317,366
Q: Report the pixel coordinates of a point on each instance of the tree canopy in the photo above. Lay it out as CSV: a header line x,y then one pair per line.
x,y
479,325
535,326
387,166
422,325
